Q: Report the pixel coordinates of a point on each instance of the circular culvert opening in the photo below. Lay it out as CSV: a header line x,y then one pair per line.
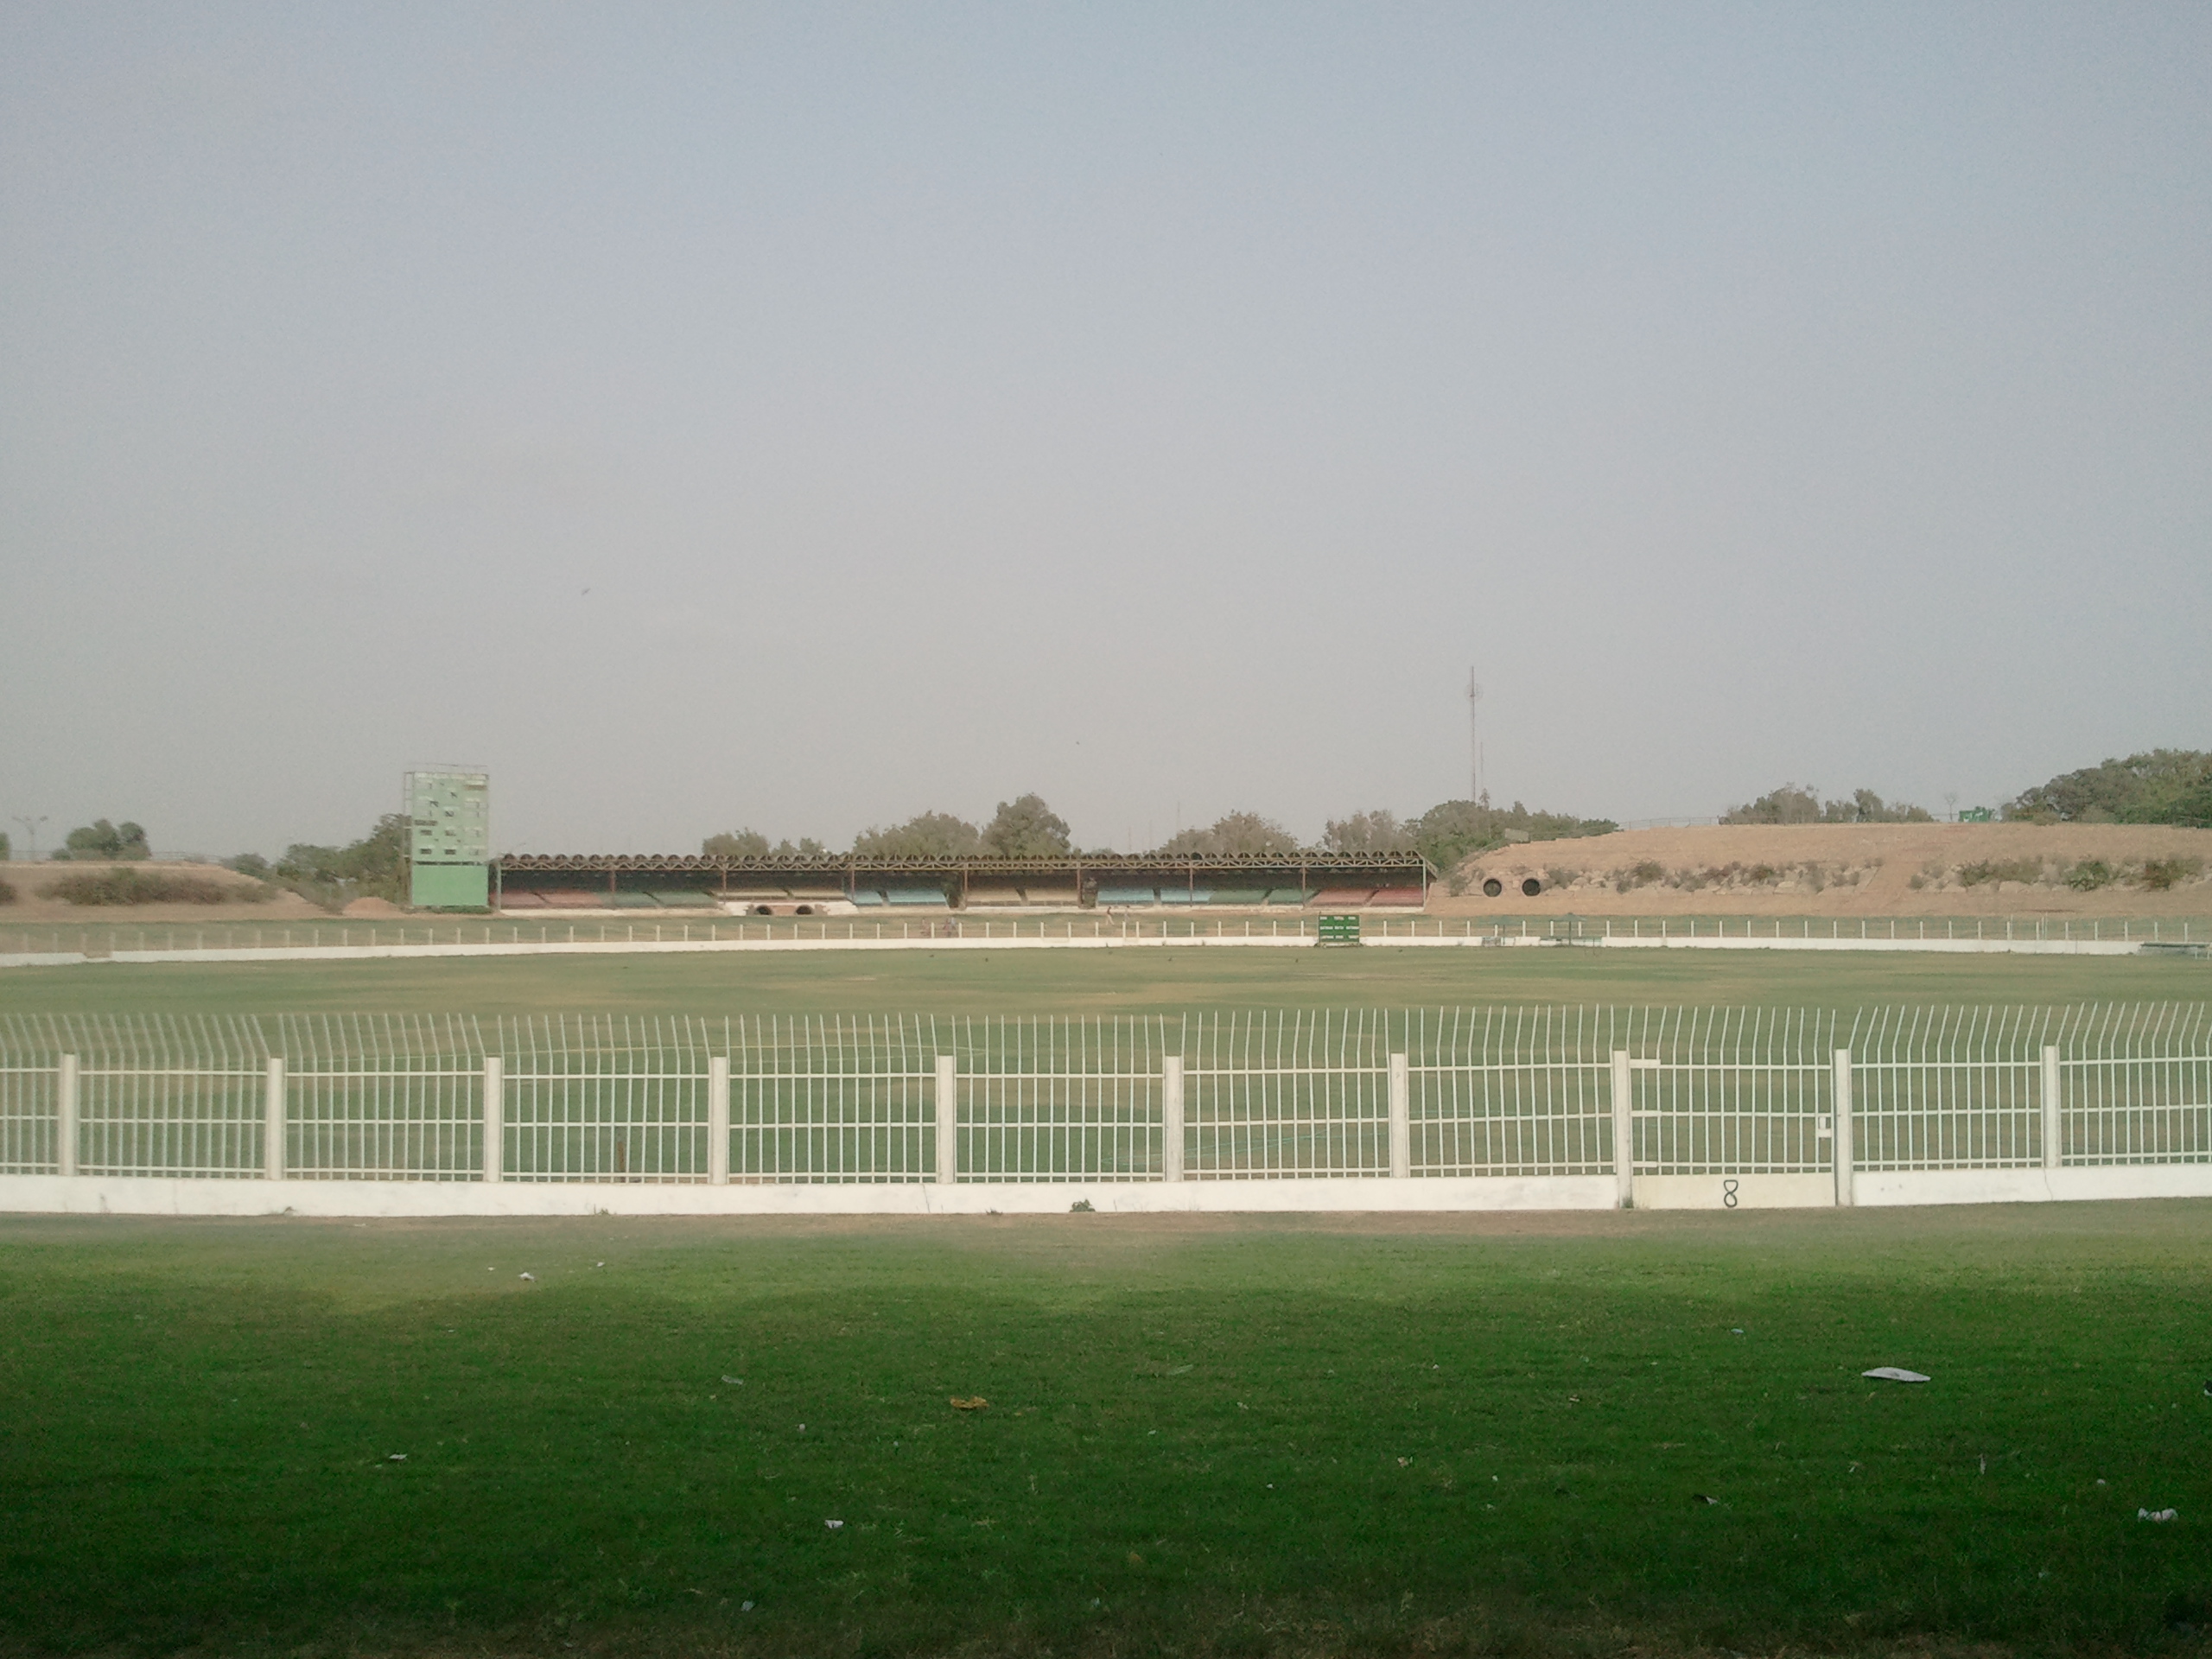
x,y
1493,887
762,910
1531,887
804,910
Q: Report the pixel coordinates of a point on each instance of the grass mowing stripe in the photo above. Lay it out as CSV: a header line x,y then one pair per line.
x,y
1098,981
1427,1417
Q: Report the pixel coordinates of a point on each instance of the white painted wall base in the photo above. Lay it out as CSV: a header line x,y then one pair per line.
x,y
2034,1185
101,1195
671,947
1749,1192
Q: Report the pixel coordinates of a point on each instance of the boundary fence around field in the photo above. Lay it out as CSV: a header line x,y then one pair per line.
x,y
341,941
1443,1109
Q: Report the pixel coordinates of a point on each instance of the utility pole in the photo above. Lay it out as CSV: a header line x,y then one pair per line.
x,y
30,832
1474,738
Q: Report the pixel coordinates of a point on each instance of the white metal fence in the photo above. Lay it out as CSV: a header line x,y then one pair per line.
x,y
1490,1091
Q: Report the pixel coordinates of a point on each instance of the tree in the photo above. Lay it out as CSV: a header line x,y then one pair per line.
x,y
1026,827
1790,804
927,835
2157,786
370,868
1450,830
102,840
5,854
1368,832
735,843
1234,834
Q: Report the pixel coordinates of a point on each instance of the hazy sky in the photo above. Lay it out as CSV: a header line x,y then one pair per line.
x,y
801,416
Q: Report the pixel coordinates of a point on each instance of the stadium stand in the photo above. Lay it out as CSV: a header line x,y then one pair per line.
x,y
1398,896
743,885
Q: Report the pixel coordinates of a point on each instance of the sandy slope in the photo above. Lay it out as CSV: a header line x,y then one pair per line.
x,y
34,908
1838,870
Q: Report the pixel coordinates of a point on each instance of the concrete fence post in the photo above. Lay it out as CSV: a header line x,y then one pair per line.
x,y
2054,1125
65,1117
718,1120
1842,1153
495,1118
272,1120
1171,1118
1401,1130
1624,1130
948,1122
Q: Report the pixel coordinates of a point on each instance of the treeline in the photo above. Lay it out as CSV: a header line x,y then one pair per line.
x,y
375,867
1801,803
1027,828
2159,786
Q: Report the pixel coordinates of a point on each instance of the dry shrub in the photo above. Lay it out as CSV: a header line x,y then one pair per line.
x,y
1640,875
7,892
126,885
2026,870
2160,874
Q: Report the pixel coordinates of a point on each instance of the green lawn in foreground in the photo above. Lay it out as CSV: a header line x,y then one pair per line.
x,y
1205,1435
1096,982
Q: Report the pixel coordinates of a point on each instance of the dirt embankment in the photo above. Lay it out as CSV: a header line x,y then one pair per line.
x,y
36,904
1874,869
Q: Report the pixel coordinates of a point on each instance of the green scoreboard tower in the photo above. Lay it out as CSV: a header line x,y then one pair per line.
x,y
448,840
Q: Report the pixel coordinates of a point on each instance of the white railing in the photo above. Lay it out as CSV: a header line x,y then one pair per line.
x,y
1288,1095
126,939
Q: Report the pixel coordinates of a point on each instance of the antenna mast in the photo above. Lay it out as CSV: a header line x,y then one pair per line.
x,y
1474,737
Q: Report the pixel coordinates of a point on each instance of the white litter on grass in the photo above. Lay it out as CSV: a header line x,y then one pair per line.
x,y
745,1607
734,1382
396,1457
1894,1374
530,1276
833,1525
2155,1514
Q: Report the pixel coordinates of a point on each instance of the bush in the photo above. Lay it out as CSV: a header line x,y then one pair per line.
x,y
2001,869
128,886
6,892
2088,875
2160,874
1640,875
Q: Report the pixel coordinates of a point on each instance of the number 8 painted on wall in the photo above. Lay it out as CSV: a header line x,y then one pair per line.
x,y
1728,1194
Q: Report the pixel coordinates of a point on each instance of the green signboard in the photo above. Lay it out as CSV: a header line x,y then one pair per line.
x,y
1339,930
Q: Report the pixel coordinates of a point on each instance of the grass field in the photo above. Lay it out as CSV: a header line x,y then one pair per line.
x,y
1086,982
1204,1436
